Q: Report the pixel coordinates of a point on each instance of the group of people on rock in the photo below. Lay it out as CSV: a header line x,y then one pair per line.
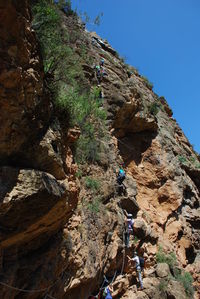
x,y
106,292
100,73
100,70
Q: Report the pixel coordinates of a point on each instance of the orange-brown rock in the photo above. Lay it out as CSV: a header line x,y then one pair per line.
x,y
25,108
39,192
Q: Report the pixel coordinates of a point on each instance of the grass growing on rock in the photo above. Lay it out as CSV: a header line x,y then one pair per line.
x,y
154,108
185,278
92,184
162,257
94,206
74,101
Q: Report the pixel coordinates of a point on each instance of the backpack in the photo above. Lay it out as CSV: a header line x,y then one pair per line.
x,y
142,262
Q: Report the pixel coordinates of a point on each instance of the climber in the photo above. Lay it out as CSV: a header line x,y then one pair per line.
x,y
98,73
101,62
103,72
100,91
129,227
136,259
97,67
121,176
107,292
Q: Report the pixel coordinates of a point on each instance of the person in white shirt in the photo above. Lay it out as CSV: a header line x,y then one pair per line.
x,y
136,259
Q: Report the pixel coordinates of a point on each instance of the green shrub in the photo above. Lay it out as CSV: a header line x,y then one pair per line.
x,y
154,108
198,165
182,159
186,280
163,285
170,258
192,159
74,102
195,162
92,184
94,206
79,174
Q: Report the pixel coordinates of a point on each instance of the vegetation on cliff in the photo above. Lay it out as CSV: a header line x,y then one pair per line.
x,y
139,122
74,99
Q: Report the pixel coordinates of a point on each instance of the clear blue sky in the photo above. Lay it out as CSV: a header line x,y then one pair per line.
x,y
162,39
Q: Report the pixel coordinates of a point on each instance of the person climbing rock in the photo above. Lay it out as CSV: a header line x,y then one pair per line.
x,y
120,178
98,73
108,292
100,92
129,228
101,62
136,259
103,72
98,70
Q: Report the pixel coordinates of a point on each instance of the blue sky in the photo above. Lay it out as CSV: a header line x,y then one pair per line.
x,y
162,39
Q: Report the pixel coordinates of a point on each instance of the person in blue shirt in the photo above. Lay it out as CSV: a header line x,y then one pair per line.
x,y
121,176
108,291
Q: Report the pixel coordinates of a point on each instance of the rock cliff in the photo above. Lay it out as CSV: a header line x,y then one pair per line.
x,y
56,241
37,184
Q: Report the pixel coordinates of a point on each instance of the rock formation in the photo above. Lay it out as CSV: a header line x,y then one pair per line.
x,y
63,242
37,182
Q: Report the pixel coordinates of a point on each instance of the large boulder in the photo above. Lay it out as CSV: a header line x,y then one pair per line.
x,y
175,290
162,270
140,228
33,203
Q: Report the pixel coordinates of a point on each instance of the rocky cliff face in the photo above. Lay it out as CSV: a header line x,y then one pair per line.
x,y
39,191
37,183
162,186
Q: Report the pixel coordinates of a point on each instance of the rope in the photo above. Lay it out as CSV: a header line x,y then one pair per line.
x,y
124,251
22,290
28,291
123,261
105,280
34,291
